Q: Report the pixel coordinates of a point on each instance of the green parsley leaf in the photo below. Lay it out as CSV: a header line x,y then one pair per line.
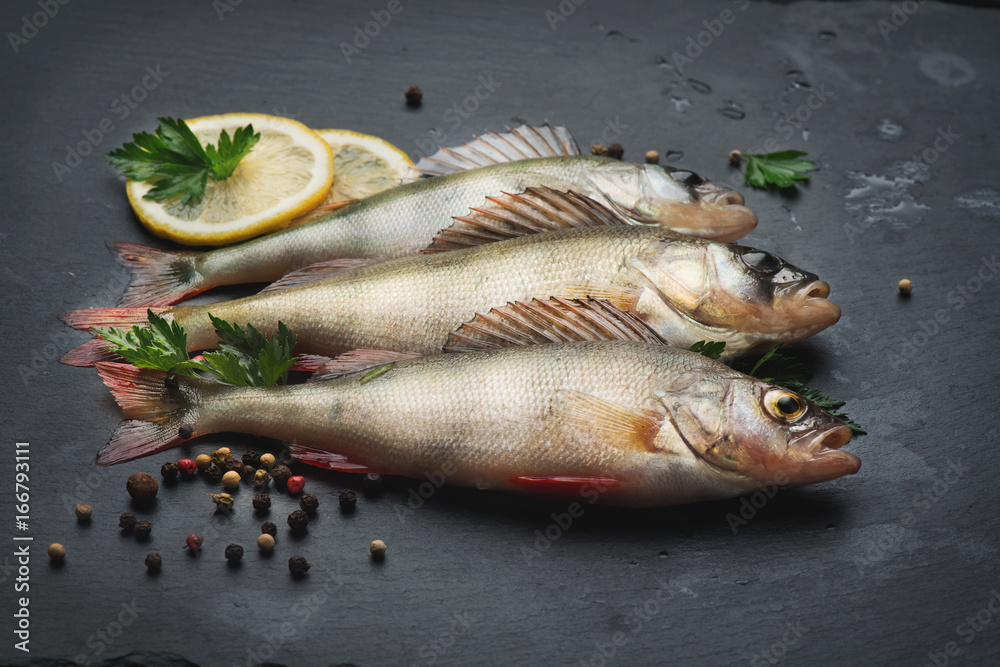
x,y
783,169
710,349
163,346
177,162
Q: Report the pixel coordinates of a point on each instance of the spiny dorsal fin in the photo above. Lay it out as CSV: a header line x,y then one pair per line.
x,y
317,271
358,360
522,143
533,211
552,320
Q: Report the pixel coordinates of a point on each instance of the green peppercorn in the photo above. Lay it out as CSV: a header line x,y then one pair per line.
x,y
127,522
83,512
142,529
223,501
220,455
298,521
269,528
262,503
309,502
298,566
168,471
261,479
280,474
348,501
234,553
153,562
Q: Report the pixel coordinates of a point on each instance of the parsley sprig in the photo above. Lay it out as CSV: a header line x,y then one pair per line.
x,y
246,357
784,370
782,168
175,158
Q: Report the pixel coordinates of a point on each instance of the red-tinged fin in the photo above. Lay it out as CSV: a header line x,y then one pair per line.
x,y
93,351
101,318
323,459
564,485
310,363
524,142
554,320
533,211
154,413
359,360
159,277
318,271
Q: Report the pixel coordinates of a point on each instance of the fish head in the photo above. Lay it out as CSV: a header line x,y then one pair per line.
x,y
675,199
763,433
749,298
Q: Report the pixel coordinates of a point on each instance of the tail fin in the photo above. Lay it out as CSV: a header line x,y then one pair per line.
x,y
159,277
90,353
154,413
87,318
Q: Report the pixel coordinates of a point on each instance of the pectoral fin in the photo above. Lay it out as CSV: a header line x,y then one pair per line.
x,y
358,360
320,458
617,424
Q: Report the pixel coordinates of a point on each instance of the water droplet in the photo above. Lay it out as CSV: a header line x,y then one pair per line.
x,y
664,554
599,27
889,130
664,63
983,202
673,156
794,73
680,103
742,582
698,86
827,35
436,132
791,216
805,134
618,33
733,109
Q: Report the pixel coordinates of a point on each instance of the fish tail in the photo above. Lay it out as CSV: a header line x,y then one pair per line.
x,y
159,277
90,353
88,318
158,416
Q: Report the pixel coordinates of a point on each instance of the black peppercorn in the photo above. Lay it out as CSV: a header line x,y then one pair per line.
x,y
269,528
185,432
234,553
373,484
212,473
251,458
153,562
414,96
615,151
309,503
298,566
297,521
248,472
262,502
142,529
127,522
280,475
170,382
232,464
348,500
142,486
168,471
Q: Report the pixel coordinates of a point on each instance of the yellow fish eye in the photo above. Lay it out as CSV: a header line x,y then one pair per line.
x,y
784,405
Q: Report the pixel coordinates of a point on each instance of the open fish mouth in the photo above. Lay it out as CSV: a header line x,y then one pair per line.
x,y
810,311
820,458
731,220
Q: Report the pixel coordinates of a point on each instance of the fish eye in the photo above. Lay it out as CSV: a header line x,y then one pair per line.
x,y
784,405
758,260
688,178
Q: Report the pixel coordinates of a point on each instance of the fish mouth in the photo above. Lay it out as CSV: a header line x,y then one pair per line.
x,y
730,219
811,311
819,458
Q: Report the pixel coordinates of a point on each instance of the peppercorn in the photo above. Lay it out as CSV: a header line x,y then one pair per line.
x,y
57,553
153,562
248,473
142,486
414,96
170,382
309,503
234,553
203,461
193,542
905,286
233,465
265,543
735,157
251,458
298,566
598,149
261,479
142,529
185,432
295,483
168,471
187,467
266,461
126,522
280,474
231,480
262,502
223,501
220,455
269,528
373,485
298,521
348,501
377,549
212,473
652,157
83,512
616,151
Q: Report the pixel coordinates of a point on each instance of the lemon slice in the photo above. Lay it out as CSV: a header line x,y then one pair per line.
x,y
362,164
288,173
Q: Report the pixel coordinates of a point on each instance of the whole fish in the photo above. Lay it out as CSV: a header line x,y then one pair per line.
x,y
686,289
406,219
620,422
